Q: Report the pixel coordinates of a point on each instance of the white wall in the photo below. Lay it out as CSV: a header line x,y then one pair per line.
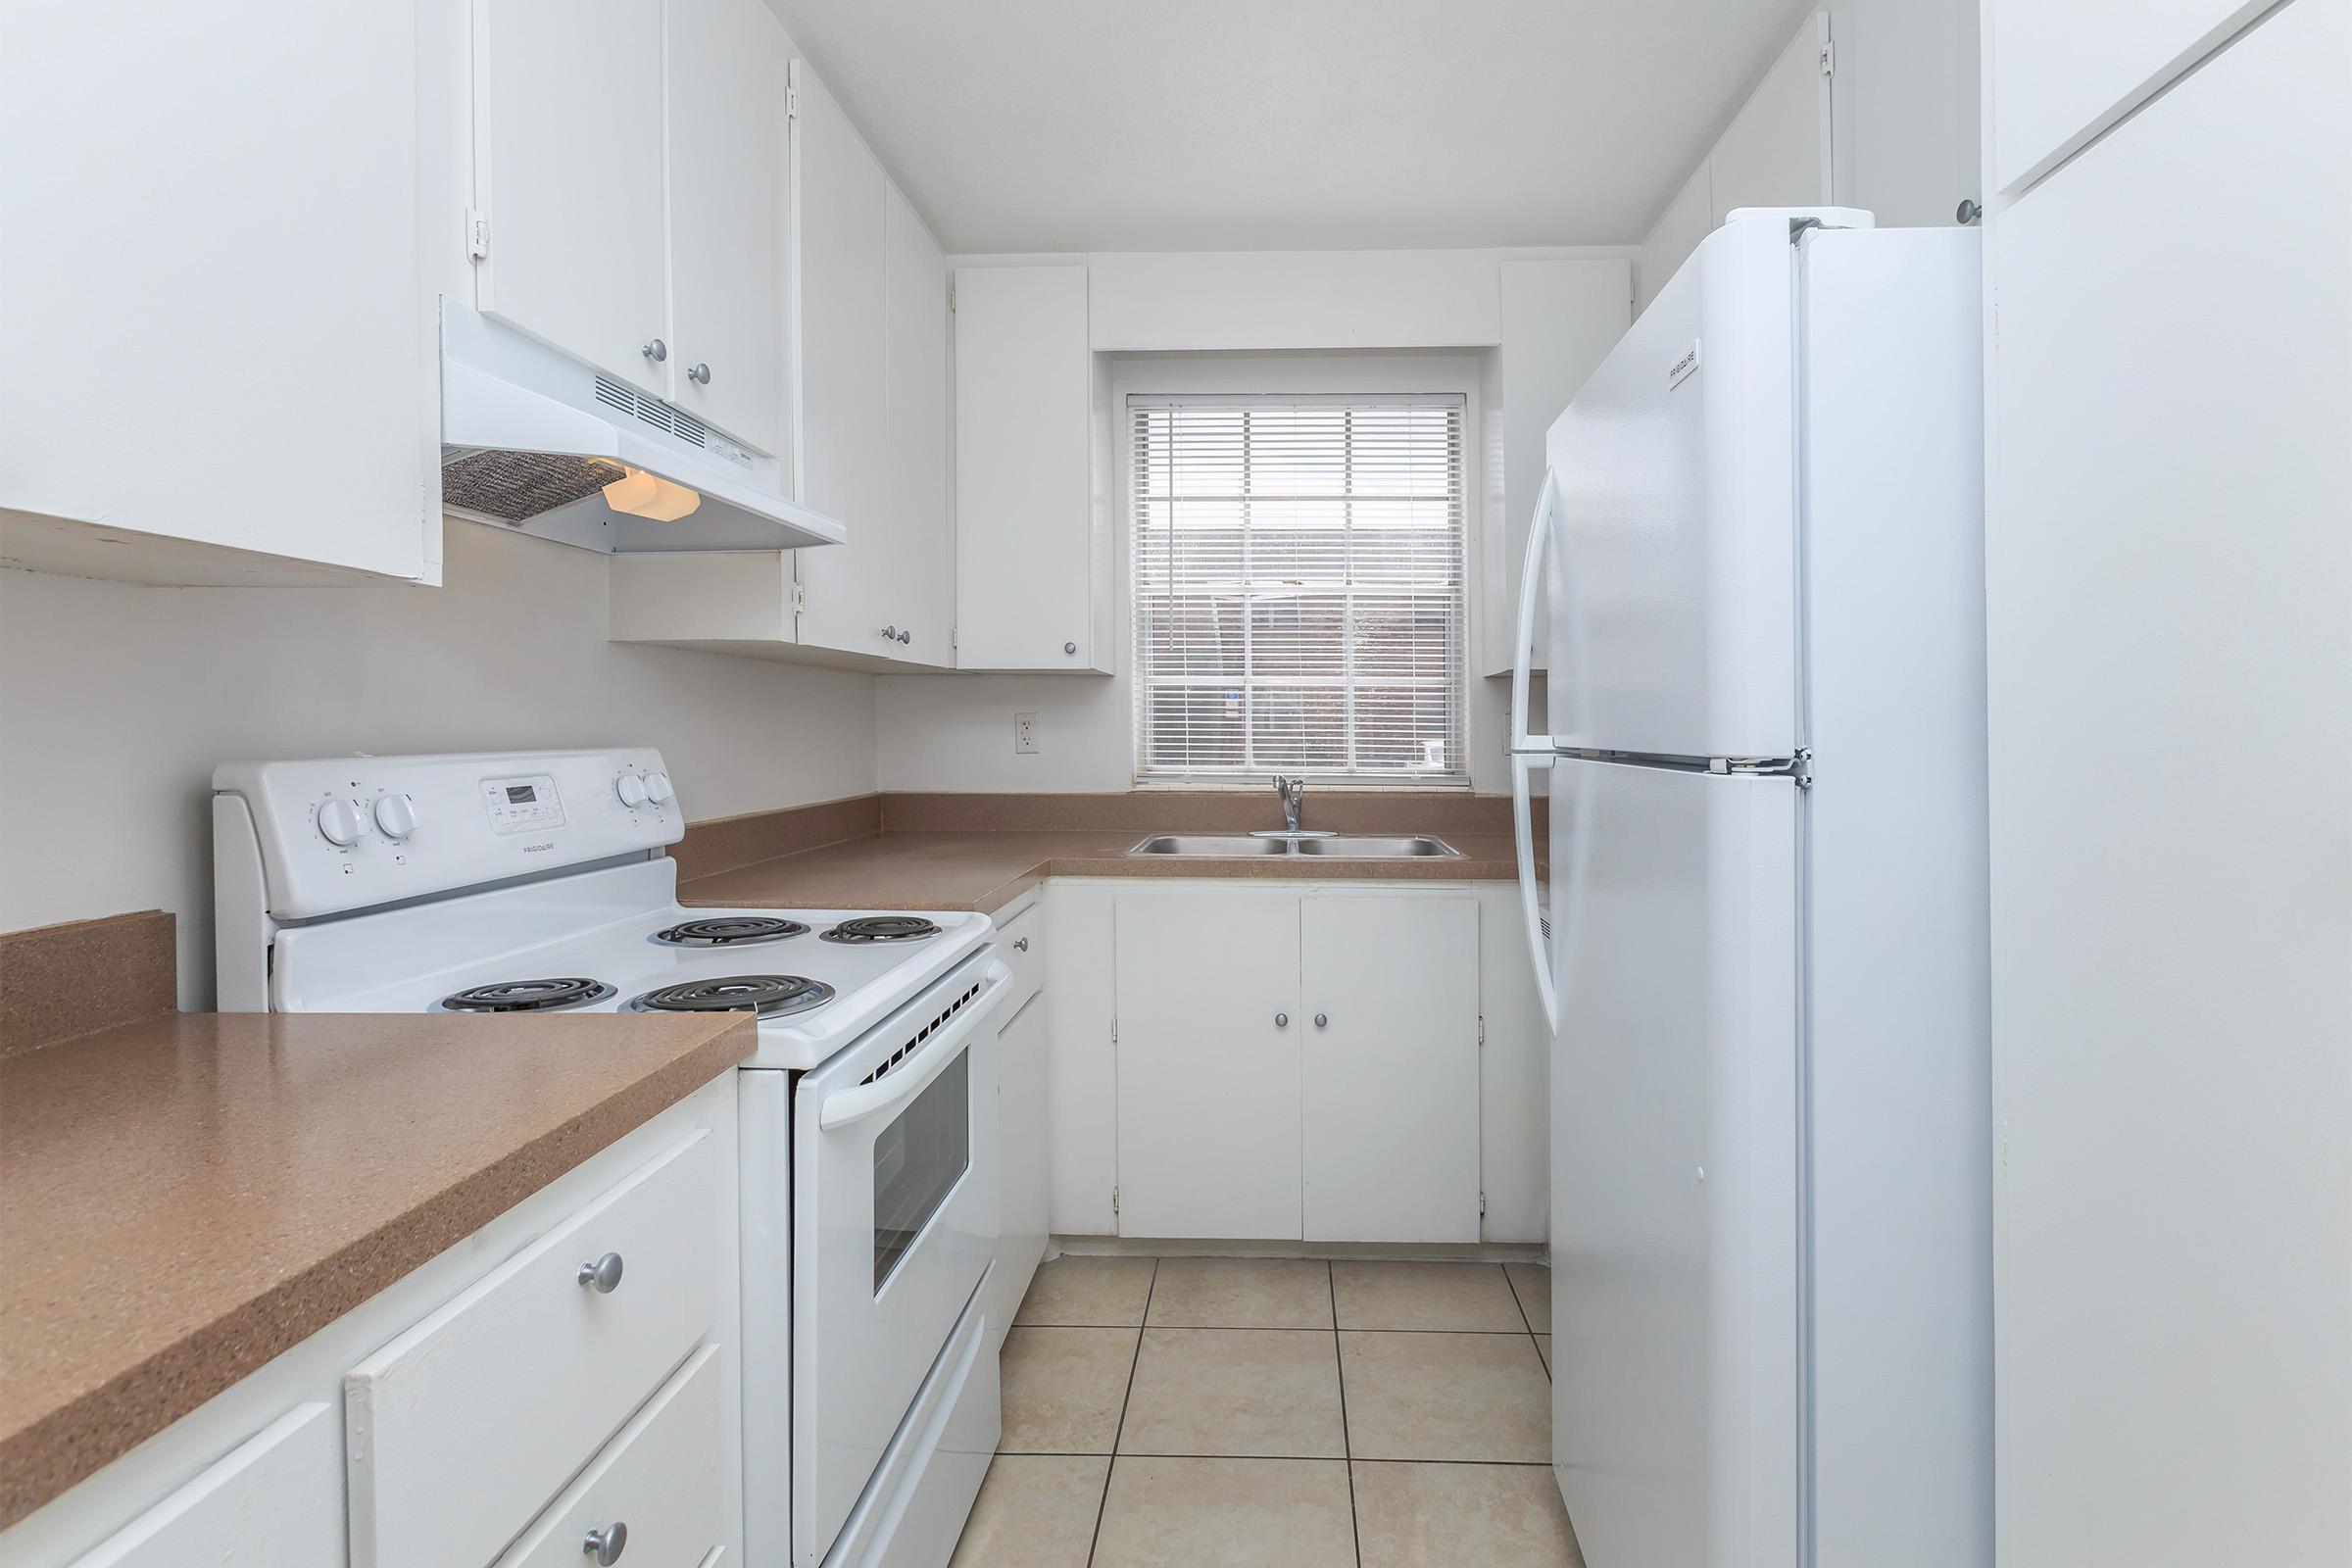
x,y
117,701
955,732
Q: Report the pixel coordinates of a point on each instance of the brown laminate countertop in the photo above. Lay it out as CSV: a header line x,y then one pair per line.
x,y
183,1199
985,870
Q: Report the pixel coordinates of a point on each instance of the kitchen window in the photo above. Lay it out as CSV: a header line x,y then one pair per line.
x,y
1298,567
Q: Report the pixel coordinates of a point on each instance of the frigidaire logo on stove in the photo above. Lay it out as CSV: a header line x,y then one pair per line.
x,y
538,849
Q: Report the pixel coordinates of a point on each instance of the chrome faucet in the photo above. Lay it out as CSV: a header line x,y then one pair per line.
x,y
1293,792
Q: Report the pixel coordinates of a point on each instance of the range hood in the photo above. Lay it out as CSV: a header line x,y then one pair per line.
x,y
537,441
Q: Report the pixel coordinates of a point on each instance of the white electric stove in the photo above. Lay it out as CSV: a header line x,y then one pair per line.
x,y
497,883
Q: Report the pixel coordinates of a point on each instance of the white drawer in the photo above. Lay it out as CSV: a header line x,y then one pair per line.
x,y
658,1481
275,1500
460,1430
1022,943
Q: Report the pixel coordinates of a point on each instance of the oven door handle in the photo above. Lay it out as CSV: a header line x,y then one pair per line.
x,y
909,1077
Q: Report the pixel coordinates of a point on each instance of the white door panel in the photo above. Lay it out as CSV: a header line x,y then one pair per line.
x,y
1209,1081
1389,1003
1673,592
568,169
1674,1203
728,67
2170,670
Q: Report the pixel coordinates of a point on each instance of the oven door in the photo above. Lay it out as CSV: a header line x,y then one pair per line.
x,y
894,1224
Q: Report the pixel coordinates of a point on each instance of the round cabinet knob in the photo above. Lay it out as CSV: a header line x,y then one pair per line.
x,y
601,1275
654,350
1281,1020
340,823
699,374
657,790
395,816
1322,1020
906,636
1020,944
631,790
1069,648
604,1547
890,634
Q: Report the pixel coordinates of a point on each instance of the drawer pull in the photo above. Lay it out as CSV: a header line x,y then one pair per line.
x,y
1020,944
603,1276
606,1545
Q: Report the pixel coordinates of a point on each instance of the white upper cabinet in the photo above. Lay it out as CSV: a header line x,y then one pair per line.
x,y
922,597
871,290
727,69
2062,71
217,351
568,177
841,300
1030,541
866,288
629,180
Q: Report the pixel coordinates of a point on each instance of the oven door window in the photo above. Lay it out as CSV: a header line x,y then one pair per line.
x,y
917,1162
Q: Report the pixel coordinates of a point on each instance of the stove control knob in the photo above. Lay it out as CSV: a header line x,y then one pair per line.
x,y
656,788
631,790
395,816
339,823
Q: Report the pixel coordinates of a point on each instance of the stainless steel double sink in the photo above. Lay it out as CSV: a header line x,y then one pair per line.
x,y
1327,846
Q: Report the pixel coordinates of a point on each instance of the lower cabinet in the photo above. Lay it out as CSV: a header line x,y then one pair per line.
x,y
1022,1163
569,1369
1297,1067
273,1499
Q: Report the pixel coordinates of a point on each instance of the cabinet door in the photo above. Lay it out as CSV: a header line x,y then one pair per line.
x,y
1388,1125
277,1499
1024,515
2061,71
840,232
728,70
1020,1156
1208,1080
568,172
211,239
922,580
2166,566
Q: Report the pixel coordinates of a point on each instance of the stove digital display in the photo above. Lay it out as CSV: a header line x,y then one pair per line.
x,y
526,805
516,793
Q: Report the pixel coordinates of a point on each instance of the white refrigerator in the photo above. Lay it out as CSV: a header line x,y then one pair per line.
x,y
1761,539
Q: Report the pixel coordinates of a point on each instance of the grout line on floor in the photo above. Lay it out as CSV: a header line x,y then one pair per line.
x,y
1102,1504
1356,1529
1274,1459
1518,1302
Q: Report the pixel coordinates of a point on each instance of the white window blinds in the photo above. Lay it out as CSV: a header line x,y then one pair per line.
x,y
1298,587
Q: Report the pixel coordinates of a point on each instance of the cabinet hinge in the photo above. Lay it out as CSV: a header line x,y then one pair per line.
x,y
951,294
1481,1030
1114,1200
1829,57
477,233
792,103
1482,1206
1114,1029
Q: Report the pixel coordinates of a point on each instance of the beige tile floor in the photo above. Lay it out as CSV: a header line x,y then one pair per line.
x,y
1275,1413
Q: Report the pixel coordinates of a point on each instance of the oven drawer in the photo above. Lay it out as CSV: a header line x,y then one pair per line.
x,y
463,1429
653,1493
1022,943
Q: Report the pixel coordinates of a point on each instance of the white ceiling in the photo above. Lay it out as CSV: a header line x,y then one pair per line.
x,y
1215,124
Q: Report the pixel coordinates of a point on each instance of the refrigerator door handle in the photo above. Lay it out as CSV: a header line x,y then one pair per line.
x,y
1531,580
1530,911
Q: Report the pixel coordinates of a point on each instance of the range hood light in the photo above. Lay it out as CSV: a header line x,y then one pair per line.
x,y
648,495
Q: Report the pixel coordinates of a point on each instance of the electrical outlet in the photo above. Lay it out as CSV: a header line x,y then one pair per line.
x,y
1024,734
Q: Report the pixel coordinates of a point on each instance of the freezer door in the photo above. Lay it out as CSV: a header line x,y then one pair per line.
x,y
1674,1155
1673,591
